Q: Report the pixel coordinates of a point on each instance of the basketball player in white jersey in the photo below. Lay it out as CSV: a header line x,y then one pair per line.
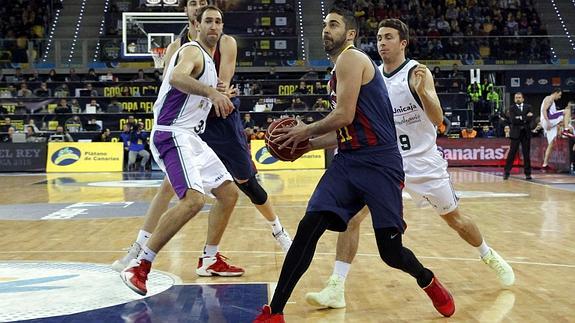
x,y
186,97
241,168
551,120
417,112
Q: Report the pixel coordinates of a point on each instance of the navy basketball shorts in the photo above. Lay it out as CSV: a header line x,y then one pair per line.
x,y
227,139
359,178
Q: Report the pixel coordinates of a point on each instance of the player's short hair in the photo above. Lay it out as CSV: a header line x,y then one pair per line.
x,y
201,11
348,18
520,93
398,25
557,90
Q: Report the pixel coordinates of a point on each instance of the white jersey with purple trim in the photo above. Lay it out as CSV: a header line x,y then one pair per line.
x,y
554,117
175,110
416,134
426,178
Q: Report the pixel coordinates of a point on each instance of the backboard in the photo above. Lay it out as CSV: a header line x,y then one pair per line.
x,y
143,31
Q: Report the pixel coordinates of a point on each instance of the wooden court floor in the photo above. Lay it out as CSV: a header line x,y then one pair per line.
x,y
530,224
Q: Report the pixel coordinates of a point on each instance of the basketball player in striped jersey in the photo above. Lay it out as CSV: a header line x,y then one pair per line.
x,y
367,170
186,96
551,119
225,135
417,111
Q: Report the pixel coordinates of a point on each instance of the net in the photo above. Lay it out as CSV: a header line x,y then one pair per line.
x,y
158,56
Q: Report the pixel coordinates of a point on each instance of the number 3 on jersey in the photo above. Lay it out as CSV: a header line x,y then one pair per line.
x,y
344,134
404,142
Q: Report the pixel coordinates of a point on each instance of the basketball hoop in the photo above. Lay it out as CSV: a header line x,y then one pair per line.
x,y
158,56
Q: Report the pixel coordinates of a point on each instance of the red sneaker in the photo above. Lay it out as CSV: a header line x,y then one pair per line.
x,y
441,298
266,316
217,266
136,275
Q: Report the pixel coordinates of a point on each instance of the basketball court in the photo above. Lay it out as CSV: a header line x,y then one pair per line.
x,y
60,233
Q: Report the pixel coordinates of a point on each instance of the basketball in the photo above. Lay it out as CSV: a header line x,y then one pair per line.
x,y
285,153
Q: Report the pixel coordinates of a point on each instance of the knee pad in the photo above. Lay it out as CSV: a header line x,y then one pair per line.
x,y
254,191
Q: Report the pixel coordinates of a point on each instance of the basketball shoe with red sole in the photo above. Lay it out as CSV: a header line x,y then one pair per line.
x,y
266,316
441,298
217,266
136,275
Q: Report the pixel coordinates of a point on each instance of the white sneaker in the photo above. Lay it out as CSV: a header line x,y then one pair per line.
x,y
501,267
123,262
283,239
331,296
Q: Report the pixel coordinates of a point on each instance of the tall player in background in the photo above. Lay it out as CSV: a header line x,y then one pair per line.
x,y
226,137
367,170
186,97
417,111
551,119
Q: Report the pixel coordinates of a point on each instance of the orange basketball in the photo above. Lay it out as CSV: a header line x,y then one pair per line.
x,y
285,153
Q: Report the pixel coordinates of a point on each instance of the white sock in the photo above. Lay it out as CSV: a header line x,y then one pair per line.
x,y
483,249
143,237
341,269
210,250
147,254
276,225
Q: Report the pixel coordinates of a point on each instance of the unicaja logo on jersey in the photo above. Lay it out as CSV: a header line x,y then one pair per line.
x,y
264,157
405,109
66,156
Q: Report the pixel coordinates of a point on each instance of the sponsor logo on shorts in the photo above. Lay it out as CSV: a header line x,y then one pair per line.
x,y
66,156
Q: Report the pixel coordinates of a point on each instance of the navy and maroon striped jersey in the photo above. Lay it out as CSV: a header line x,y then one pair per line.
x,y
373,123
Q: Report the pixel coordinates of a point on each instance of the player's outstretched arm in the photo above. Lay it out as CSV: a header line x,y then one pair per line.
x,y
424,85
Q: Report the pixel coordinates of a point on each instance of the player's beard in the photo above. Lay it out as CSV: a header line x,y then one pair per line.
x,y
333,46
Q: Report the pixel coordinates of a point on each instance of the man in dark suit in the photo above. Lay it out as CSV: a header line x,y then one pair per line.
x,y
520,115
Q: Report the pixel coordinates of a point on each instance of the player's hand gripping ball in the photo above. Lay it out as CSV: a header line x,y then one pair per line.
x,y
284,154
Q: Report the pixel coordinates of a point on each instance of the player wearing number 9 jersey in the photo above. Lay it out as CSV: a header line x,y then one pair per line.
x,y
417,111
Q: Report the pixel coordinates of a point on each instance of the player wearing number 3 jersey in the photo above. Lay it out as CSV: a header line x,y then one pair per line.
x,y
417,111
